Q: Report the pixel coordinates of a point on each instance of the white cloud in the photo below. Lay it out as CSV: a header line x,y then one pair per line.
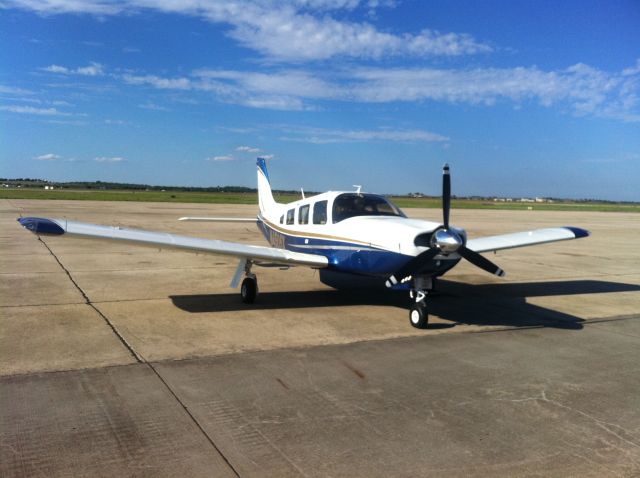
x,y
152,106
325,136
267,156
117,122
11,90
48,157
580,88
30,110
298,30
584,89
248,149
57,69
221,158
158,82
93,69
105,159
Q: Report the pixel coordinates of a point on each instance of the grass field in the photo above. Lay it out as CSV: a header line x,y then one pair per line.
x,y
251,198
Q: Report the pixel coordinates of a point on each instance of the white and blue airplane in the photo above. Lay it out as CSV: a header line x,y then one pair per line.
x,y
354,239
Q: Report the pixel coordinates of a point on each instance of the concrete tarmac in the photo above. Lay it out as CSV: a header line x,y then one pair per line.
x,y
120,360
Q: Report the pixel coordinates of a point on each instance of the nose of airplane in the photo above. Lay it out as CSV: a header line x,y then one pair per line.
x,y
448,241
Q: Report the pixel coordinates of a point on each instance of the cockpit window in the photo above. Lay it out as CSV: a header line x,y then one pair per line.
x,y
352,204
290,216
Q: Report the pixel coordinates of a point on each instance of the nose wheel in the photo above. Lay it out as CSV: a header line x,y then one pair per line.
x,y
418,315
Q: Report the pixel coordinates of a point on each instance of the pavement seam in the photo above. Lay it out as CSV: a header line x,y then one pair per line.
x,y
193,418
124,342
141,360
165,361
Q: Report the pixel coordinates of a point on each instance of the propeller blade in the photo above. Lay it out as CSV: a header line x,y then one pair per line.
x,y
446,195
480,261
413,265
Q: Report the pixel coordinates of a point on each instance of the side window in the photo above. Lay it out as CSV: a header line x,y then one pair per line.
x,y
282,219
320,212
303,214
290,216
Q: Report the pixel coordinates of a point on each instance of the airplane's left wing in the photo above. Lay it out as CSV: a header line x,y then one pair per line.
x,y
56,227
527,238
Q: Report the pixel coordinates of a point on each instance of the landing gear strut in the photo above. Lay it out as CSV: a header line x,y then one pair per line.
x,y
418,316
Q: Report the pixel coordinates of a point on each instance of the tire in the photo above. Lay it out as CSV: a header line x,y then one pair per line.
x,y
418,316
249,290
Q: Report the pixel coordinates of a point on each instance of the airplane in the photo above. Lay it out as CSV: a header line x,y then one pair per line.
x,y
355,239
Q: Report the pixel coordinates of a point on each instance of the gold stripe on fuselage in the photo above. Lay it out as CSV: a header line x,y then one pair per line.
x,y
314,234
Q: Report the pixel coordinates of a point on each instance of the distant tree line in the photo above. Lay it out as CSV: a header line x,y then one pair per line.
x,y
104,186
110,186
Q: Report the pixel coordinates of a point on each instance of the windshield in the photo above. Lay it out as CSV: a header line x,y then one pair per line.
x,y
352,204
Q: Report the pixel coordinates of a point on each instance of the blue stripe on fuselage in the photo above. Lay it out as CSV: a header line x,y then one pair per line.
x,y
346,256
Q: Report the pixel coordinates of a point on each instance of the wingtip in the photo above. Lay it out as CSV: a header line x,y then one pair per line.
x,y
41,225
578,232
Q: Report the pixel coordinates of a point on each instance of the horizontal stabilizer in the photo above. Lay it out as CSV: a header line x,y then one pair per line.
x,y
219,219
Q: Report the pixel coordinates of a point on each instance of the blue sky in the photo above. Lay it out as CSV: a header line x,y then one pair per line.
x,y
521,98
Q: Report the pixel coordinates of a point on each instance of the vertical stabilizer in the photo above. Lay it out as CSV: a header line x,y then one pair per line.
x,y
265,197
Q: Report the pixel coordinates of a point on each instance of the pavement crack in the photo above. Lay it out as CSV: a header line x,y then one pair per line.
x,y
113,328
611,428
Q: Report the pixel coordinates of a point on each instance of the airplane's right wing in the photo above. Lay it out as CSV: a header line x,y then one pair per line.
x,y
162,240
219,219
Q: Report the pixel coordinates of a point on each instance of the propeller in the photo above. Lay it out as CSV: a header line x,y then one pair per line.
x,y
444,241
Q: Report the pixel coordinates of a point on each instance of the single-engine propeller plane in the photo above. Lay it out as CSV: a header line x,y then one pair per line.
x,y
354,239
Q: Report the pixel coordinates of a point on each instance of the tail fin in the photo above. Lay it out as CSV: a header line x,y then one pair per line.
x,y
265,197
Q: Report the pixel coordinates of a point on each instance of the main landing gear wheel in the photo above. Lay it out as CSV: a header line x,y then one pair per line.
x,y
249,290
418,315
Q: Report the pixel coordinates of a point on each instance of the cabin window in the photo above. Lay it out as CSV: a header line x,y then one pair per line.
x,y
303,214
282,219
290,216
320,212
353,204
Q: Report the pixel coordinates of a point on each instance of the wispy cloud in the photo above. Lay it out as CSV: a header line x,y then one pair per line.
x,y
221,158
107,159
325,136
288,31
117,122
48,157
248,149
582,89
30,110
158,82
93,69
152,106
12,90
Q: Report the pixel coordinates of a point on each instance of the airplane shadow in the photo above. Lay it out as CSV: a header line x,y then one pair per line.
x,y
454,302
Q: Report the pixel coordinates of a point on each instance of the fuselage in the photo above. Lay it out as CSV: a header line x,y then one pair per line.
x,y
359,233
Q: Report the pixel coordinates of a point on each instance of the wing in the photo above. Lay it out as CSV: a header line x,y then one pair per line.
x,y
219,219
56,227
528,238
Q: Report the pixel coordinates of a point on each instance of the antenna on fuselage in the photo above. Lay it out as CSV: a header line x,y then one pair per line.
x,y
302,191
358,188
